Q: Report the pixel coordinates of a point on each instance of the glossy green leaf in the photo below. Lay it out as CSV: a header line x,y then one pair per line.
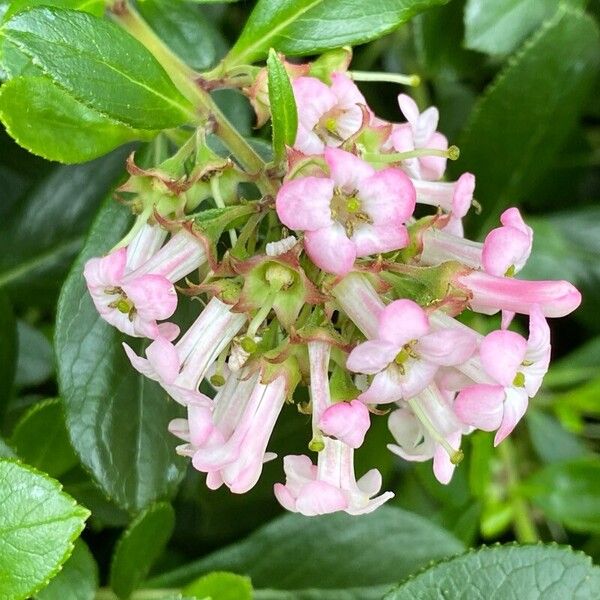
x,y
284,116
35,362
100,65
38,525
8,350
34,257
78,579
139,546
298,27
186,30
95,7
568,492
117,419
512,136
499,26
370,550
58,127
532,572
41,439
220,586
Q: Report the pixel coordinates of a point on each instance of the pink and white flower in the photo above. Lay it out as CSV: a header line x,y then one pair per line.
x,y
510,372
327,115
354,212
427,428
179,368
419,132
330,486
406,355
453,197
132,288
504,251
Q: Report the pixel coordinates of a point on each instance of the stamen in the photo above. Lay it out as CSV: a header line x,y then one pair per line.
x,y
411,80
456,456
452,153
519,380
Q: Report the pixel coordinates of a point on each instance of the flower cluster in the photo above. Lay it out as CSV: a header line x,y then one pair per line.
x,y
347,280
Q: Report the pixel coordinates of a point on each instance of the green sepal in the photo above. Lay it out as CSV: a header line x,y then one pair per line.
x,y
341,386
213,221
329,62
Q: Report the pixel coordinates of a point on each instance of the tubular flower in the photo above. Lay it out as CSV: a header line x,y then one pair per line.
x,y
354,212
511,372
132,288
405,356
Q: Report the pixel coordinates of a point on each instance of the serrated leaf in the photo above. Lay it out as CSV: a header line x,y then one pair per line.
x,y
78,579
40,438
35,362
512,137
568,492
220,586
351,551
117,419
139,546
100,65
34,258
8,350
284,116
499,26
38,524
299,27
511,571
58,127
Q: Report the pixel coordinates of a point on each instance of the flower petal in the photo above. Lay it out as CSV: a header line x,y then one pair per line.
x,y
371,356
515,407
385,388
402,321
447,347
320,498
346,169
313,100
330,249
153,296
346,421
304,204
106,271
481,406
164,359
502,353
374,239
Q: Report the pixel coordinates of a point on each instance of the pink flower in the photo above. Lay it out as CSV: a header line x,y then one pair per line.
x,y
489,294
353,213
327,115
429,430
180,367
346,421
331,485
454,198
504,251
132,288
405,355
419,132
237,460
515,368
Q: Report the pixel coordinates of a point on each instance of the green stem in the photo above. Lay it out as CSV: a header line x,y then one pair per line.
x,y
185,79
154,594
412,80
393,157
525,528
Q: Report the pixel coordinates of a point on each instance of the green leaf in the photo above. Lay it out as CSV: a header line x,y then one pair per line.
x,y
34,258
499,26
284,116
187,31
117,419
100,65
94,7
329,552
41,440
38,525
78,579
512,137
35,363
8,350
220,586
299,27
56,125
511,571
139,547
568,492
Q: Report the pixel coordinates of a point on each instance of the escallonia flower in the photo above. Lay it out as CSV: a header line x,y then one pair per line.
x,y
132,287
405,355
508,372
355,212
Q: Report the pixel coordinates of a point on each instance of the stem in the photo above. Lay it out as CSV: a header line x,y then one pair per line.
x,y
412,80
525,528
154,594
185,79
393,157
216,193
